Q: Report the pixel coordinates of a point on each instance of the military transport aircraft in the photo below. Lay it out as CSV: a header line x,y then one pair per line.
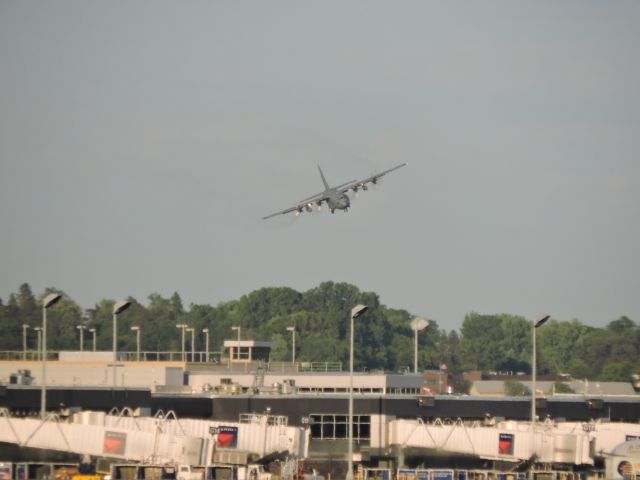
x,y
336,198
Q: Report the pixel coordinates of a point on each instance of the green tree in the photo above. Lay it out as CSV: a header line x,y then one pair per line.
x,y
482,342
617,372
317,348
558,344
256,308
216,319
578,368
514,388
449,351
622,325
159,319
515,344
23,310
10,324
383,338
27,304
402,348
561,387
176,304
460,384
595,348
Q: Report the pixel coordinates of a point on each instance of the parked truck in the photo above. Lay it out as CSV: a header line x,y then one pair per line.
x,y
187,472
253,472
223,472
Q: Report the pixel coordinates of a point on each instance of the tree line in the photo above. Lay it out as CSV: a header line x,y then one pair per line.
x,y
383,337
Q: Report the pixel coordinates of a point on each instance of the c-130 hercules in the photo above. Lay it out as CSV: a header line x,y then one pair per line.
x,y
336,198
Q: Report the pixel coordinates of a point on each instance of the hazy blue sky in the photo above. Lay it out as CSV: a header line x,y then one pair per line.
x,y
142,142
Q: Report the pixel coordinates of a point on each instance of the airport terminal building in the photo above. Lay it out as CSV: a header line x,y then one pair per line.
x,y
394,422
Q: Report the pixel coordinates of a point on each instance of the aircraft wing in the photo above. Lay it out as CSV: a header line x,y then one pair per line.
x,y
306,204
357,184
312,198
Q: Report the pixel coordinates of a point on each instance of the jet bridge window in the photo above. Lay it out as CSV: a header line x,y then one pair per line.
x,y
332,427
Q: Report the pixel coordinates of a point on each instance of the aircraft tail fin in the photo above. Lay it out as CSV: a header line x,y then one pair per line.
x,y
324,180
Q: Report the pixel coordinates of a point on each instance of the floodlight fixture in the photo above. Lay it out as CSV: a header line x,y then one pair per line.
x,y
51,300
542,321
358,310
121,306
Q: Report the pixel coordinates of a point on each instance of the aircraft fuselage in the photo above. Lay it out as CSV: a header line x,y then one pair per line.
x,y
338,201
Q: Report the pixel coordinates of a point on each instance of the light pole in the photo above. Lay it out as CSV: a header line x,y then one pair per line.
x,y
534,326
25,327
39,352
237,328
417,324
81,328
182,326
206,344
93,331
118,308
355,313
292,329
137,330
193,348
48,301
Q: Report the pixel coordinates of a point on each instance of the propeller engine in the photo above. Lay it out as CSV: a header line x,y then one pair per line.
x,y
308,207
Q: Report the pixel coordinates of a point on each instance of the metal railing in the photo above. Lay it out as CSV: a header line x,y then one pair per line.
x,y
214,360
269,419
29,355
146,356
150,356
304,367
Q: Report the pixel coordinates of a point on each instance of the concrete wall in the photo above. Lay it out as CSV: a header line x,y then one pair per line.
x,y
379,431
99,373
85,356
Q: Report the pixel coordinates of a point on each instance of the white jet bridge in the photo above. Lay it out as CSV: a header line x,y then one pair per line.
x,y
159,439
508,441
576,443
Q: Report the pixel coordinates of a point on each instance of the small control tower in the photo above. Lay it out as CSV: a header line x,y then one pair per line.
x,y
246,351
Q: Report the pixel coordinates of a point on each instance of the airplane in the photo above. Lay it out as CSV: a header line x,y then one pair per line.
x,y
336,198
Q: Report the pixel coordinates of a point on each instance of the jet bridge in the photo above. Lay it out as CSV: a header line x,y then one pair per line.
x,y
159,439
506,441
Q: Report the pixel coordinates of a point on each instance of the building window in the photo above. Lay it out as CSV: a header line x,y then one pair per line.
x,y
240,353
403,391
332,427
